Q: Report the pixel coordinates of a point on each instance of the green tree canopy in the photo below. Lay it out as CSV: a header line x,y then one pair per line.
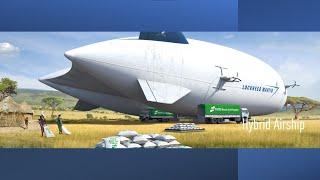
x,y
7,88
300,104
52,102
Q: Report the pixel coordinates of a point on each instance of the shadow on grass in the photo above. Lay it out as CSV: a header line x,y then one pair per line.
x,y
123,122
106,121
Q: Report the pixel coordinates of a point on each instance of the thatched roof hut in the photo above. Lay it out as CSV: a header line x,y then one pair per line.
x,y
12,113
8,105
26,108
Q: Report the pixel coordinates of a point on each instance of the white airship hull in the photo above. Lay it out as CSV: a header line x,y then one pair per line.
x,y
171,76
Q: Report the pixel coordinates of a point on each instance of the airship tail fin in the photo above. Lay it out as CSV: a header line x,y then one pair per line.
x,y
84,106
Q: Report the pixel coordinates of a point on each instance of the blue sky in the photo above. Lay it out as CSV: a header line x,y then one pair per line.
x,y
26,56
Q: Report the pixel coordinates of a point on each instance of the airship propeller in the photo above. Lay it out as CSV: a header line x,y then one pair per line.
x,y
292,85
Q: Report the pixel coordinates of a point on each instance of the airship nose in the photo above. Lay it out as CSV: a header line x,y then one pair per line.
x,y
71,54
84,53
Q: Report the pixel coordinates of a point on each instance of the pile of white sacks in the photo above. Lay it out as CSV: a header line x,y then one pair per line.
x,y
131,139
184,127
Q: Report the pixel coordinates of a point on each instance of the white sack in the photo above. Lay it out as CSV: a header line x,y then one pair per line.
x,y
112,142
65,130
161,144
153,136
174,143
149,144
147,136
127,133
47,132
124,139
140,139
167,138
100,144
133,145
121,146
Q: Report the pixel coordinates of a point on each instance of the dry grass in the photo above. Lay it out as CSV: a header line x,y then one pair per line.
x,y
215,135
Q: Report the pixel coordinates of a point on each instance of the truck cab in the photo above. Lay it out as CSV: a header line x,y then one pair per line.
x,y
245,115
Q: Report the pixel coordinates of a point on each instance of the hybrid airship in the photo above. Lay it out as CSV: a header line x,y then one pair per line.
x,y
167,71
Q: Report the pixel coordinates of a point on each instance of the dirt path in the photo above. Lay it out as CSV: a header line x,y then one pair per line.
x,y
33,126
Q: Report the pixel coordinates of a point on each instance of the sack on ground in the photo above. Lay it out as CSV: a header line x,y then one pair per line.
x,y
47,132
127,134
167,138
121,146
149,144
161,144
65,130
153,136
111,142
147,136
134,145
174,143
100,144
140,139
124,139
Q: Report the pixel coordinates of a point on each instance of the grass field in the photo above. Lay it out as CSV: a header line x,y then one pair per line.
x,y
215,136
88,130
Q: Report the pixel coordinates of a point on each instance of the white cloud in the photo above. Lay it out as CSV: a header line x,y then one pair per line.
x,y
8,49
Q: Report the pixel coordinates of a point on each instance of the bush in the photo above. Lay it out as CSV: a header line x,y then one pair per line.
x,y
89,116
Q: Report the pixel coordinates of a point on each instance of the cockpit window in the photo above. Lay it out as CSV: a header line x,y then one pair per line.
x,y
174,37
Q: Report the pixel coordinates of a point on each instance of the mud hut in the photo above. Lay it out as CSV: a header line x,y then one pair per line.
x,y
27,111
11,113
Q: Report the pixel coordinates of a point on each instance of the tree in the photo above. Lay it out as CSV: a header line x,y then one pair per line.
x,y
52,102
300,104
7,88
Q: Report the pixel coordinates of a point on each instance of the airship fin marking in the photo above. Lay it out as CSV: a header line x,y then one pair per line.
x,y
162,92
147,90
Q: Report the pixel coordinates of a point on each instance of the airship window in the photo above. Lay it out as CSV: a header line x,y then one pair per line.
x,y
174,37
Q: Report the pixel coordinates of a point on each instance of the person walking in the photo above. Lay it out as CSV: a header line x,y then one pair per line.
x,y
59,123
26,122
42,123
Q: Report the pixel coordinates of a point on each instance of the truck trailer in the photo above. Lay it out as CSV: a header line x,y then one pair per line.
x,y
218,113
157,114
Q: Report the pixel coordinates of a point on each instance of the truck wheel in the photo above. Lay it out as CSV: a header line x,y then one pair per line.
x,y
238,120
142,119
208,120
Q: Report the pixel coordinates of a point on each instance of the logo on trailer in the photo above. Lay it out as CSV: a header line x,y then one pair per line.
x,y
212,109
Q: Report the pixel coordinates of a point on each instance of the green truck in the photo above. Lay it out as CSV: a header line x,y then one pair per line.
x,y
217,113
157,114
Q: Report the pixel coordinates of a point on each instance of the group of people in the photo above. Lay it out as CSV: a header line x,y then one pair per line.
x,y
42,122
